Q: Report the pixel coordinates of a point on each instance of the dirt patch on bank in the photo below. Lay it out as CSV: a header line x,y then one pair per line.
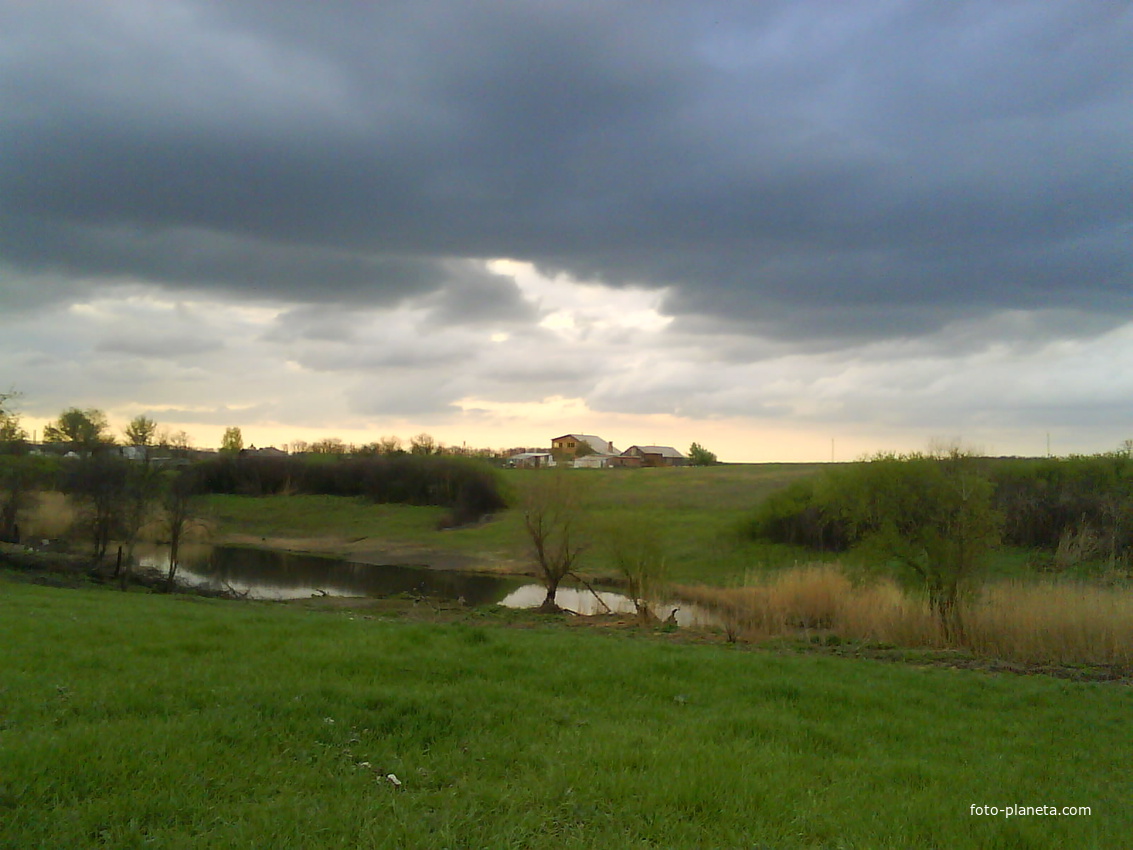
x,y
371,550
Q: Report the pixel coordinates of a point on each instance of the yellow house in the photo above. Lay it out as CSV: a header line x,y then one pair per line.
x,y
569,445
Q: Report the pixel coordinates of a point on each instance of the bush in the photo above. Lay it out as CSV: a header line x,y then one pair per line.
x,y
794,516
469,488
1044,503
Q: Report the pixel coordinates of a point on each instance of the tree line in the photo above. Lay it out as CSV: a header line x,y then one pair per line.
x,y
117,496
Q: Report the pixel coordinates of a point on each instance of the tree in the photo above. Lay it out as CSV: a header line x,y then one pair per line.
x,y
178,441
423,444
86,431
141,432
233,441
932,514
391,446
552,517
637,549
143,484
100,484
700,456
13,438
329,446
179,504
21,476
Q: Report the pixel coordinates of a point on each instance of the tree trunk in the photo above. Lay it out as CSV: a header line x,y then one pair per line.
x,y
550,606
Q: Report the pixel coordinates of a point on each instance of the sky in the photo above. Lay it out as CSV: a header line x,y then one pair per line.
x,y
790,231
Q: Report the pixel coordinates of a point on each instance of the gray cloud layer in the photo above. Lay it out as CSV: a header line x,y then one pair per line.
x,y
809,170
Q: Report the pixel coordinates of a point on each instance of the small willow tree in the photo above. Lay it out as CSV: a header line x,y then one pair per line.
x,y
637,549
179,505
932,514
553,518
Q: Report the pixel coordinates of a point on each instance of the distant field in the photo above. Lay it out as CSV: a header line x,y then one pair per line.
x,y
131,720
697,511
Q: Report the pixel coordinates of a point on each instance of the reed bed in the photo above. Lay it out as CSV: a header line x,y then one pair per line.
x,y
1053,622
1035,623
52,517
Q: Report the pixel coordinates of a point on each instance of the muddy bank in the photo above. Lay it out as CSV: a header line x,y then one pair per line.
x,y
378,552
54,568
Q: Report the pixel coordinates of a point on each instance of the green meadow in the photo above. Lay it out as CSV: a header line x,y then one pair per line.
x,y
131,720
697,511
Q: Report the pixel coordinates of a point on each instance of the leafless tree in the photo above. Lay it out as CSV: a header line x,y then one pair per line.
x,y
552,516
180,508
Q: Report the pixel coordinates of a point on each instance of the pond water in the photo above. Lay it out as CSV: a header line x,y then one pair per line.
x,y
269,574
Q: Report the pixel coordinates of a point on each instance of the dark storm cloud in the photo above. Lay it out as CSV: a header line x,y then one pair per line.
x,y
812,169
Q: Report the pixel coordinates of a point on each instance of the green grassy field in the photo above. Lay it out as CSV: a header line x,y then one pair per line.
x,y
130,720
697,511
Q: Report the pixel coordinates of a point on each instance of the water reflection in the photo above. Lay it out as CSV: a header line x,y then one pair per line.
x,y
584,602
265,574
269,574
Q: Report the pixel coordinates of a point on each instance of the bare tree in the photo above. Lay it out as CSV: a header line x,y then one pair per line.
x,y
180,506
390,445
329,446
424,444
638,551
100,483
552,517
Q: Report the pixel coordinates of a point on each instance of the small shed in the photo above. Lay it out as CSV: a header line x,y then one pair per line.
x,y
531,460
594,461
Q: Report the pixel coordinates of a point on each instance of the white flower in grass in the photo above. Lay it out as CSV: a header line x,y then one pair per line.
x,y
393,780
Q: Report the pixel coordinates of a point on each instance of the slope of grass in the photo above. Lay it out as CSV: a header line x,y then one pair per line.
x,y
697,510
128,719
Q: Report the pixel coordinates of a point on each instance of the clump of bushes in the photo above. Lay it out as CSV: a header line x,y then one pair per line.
x,y
468,488
1052,504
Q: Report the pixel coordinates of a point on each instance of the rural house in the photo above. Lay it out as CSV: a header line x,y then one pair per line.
x,y
652,456
569,445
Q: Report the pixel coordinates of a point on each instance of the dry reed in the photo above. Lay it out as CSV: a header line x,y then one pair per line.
x,y
1048,622
52,517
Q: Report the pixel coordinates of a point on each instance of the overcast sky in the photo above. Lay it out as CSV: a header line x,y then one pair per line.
x,y
783,229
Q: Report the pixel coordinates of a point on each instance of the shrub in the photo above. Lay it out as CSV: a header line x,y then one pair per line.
x,y
469,488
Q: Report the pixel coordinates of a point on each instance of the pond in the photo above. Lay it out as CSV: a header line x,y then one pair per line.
x,y
270,574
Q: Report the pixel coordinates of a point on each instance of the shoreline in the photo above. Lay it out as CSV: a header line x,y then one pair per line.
x,y
372,551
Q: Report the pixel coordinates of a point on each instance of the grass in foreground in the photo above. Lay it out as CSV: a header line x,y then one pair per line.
x,y
130,719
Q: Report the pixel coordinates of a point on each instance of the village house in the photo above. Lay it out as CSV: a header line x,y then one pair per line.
x,y
571,445
652,456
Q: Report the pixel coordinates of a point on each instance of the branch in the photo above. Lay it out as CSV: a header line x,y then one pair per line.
x,y
586,584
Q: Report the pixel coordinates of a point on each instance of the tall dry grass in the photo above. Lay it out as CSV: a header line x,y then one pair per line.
x,y
1049,622
1053,622
51,517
